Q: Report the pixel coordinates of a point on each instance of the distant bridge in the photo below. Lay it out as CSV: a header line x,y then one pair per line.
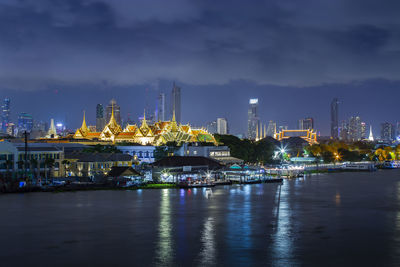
x,y
308,135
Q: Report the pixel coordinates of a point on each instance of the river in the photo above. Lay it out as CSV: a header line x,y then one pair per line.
x,y
339,219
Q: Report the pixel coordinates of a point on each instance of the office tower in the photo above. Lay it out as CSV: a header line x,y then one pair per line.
x,y
253,119
161,107
363,131
387,132
306,124
354,129
10,129
398,130
5,117
271,130
335,118
344,131
25,122
222,126
176,103
100,120
212,127
117,111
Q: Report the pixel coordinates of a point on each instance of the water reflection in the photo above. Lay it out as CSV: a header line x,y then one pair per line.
x,y
282,246
165,249
207,253
337,199
239,225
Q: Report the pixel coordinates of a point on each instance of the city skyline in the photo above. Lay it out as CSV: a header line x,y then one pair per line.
x,y
352,104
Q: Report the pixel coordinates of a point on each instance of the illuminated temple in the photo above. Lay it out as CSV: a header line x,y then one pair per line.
x,y
157,134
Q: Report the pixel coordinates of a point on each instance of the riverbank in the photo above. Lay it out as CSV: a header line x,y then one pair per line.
x,y
84,187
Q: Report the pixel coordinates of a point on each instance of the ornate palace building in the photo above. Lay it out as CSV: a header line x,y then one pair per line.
x,y
156,134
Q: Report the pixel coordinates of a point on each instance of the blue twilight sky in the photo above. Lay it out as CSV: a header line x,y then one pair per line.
x,y
58,57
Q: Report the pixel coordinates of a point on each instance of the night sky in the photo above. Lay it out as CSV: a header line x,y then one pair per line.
x,y
60,57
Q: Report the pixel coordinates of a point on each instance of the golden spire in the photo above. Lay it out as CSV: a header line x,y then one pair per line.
x,y
144,123
84,129
113,124
174,126
84,126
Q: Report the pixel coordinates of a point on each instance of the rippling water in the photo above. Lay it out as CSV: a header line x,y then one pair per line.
x,y
323,220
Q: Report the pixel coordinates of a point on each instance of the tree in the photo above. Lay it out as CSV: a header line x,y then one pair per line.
x,y
9,165
65,163
327,156
32,166
48,163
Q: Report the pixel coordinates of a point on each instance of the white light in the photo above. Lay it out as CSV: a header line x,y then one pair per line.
x,y
59,124
253,101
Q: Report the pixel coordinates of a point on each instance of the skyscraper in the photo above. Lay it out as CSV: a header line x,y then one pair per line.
x,y
176,102
212,127
306,124
387,132
100,120
5,116
117,111
222,126
344,131
335,118
355,130
271,130
161,107
253,119
363,131
398,130
25,122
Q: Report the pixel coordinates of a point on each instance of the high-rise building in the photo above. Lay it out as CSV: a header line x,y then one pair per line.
x,y
335,118
363,131
100,120
253,119
176,103
344,131
11,129
222,126
398,130
5,116
355,133
161,107
117,111
306,124
387,132
271,130
212,127
25,122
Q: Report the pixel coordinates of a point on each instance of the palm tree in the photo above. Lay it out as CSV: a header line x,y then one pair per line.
x,y
65,163
48,163
9,164
32,167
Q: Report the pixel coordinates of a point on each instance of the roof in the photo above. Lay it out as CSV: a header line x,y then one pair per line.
x,y
98,157
179,161
44,149
118,171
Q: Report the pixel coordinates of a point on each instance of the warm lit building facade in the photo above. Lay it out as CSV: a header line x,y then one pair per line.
x,y
158,133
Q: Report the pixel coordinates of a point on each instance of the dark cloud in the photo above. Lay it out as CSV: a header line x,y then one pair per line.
x,y
197,42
